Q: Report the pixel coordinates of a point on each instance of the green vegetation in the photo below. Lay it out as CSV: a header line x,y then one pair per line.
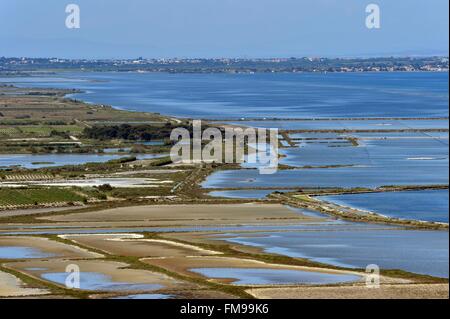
x,y
37,196
131,132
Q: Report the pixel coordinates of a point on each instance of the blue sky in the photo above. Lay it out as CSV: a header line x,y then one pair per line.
x,y
222,28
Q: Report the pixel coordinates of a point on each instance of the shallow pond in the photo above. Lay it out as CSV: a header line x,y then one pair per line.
x,y
114,182
346,177
245,194
374,163
99,282
319,226
423,252
150,143
320,125
22,253
261,276
52,160
374,152
429,205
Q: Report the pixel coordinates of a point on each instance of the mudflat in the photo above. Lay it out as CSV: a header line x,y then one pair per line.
x,y
193,215
110,272
43,248
184,265
408,291
12,286
136,245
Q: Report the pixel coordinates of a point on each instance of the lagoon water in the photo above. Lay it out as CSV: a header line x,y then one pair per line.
x,y
345,177
407,153
429,205
99,282
245,194
260,276
22,253
52,160
321,125
378,162
423,252
374,163
236,96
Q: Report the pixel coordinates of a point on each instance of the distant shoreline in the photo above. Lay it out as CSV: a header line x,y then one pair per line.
x,y
231,66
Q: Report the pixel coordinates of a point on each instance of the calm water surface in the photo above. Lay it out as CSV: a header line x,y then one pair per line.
x,y
99,282
430,205
22,253
261,95
53,160
244,194
423,252
260,276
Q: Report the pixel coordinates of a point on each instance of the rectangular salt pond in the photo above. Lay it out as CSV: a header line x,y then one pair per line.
x,y
314,135
22,253
422,252
260,276
428,205
320,125
114,182
400,135
375,163
245,194
376,152
52,160
150,143
319,226
415,173
99,282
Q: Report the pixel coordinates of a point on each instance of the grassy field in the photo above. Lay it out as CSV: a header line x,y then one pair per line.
x,y
28,105
8,131
44,130
39,130
37,196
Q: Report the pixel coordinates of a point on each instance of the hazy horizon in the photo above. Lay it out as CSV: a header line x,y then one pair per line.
x,y
236,58
114,29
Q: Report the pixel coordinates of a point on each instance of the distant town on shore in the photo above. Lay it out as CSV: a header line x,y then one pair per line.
x,y
21,65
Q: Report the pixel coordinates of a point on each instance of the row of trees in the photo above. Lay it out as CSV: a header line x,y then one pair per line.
x,y
130,132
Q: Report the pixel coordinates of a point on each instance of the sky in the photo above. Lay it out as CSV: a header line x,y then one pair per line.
x,y
223,28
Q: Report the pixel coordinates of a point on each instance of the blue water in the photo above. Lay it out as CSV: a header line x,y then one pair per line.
x,y
116,150
260,276
234,96
318,125
320,226
53,160
430,205
423,252
22,253
442,137
346,177
99,282
244,194
151,143
374,163
407,153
